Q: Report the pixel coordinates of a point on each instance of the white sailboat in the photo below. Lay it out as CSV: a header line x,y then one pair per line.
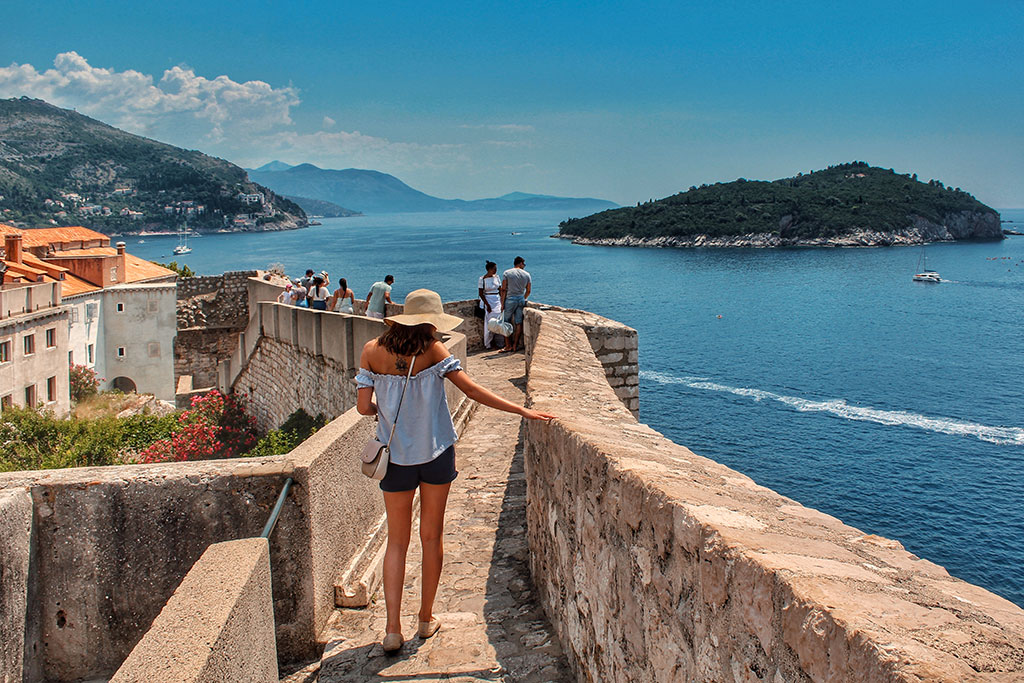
x,y
182,247
923,274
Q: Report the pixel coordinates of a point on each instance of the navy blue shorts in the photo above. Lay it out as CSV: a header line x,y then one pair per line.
x,y
441,470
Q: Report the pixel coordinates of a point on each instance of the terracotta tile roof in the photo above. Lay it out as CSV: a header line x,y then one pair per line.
x,y
93,251
51,269
24,270
138,269
72,285
41,237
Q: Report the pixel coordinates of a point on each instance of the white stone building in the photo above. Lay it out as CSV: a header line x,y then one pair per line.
x,y
121,318
33,340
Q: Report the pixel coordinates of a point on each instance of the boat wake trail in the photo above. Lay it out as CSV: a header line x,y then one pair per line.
x,y
840,408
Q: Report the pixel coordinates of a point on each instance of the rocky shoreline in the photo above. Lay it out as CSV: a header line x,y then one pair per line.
x,y
960,227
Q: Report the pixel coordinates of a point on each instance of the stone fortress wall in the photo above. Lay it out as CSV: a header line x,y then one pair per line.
x,y
657,564
212,310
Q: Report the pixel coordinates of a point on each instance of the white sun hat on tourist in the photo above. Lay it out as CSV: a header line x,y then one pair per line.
x,y
424,306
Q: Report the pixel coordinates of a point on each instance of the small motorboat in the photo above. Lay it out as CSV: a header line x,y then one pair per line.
x,y
927,276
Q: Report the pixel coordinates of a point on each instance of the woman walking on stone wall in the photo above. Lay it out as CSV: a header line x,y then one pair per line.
x,y
423,446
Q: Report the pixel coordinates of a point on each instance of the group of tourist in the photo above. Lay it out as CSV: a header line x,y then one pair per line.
x,y
504,299
313,291
501,299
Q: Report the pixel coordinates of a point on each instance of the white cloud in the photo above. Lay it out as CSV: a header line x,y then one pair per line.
x,y
248,122
180,101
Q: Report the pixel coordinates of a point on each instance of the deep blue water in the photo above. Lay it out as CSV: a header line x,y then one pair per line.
x,y
830,376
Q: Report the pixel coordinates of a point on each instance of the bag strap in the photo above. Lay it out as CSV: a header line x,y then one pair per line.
x,y
400,401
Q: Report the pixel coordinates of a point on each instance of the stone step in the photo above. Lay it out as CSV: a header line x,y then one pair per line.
x,y
357,584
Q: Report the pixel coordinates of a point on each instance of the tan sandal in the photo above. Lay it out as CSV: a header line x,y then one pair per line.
x,y
392,642
429,628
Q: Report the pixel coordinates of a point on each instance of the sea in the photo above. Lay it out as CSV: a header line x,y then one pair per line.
x,y
825,374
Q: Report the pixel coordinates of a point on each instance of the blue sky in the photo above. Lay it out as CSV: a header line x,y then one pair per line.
x,y
614,100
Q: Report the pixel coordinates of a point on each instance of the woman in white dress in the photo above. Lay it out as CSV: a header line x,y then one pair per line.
x,y
489,298
342,299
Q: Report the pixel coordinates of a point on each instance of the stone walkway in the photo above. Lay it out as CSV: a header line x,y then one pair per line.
x,y
493,629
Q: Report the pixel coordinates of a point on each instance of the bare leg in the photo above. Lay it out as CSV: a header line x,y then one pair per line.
x,y
399,509
516,335
433,499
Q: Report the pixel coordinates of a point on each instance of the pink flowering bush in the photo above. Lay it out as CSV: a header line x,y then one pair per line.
x,y
215,426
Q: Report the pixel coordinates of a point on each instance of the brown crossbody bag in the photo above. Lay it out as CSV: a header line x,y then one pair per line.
x,y
377,455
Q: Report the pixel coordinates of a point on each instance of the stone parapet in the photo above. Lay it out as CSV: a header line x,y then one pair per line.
x,y
112,543
217,626
656,564
615,345
15,562
290,358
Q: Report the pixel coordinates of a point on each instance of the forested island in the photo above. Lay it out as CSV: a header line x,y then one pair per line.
x,y
59,167
845,205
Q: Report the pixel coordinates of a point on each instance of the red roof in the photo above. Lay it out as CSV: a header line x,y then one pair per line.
x,y
42,237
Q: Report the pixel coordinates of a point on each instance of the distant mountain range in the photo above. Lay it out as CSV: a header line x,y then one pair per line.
x,y
59,167
376,192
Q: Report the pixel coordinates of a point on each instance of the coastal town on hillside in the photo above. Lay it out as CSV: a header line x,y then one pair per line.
x,y
65,207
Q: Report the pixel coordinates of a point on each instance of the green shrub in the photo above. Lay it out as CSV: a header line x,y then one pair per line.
x,y
32,440
293,431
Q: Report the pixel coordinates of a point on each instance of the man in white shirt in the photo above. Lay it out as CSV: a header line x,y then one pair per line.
x,y
515,290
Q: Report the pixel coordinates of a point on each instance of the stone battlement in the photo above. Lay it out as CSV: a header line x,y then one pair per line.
x,y
657,564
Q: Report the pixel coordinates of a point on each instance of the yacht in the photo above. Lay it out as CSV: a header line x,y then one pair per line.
x,y
182,247
923,274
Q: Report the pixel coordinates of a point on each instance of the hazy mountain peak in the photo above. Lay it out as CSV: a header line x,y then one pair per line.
x,y
274,165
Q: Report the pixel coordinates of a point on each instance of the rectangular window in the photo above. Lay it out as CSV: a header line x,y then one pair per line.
x,y
120,307
51,338
51,389
120,352
5,351
154,349
6,402
30,344
74,315
89,353
153,306
30,396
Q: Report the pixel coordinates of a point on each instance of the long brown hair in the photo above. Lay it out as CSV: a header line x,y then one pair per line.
x,y
407,340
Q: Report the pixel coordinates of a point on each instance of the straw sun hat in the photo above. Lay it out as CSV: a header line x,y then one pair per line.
x,y
424,306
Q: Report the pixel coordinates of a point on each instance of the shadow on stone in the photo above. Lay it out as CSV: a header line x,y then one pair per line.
x,y
517,628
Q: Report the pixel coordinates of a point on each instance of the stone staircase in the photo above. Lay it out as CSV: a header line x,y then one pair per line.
x,y
493,629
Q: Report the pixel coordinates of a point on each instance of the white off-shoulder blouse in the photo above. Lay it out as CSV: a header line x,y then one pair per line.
x,y
425,428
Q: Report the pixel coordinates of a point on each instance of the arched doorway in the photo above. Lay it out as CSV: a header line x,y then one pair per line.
x,y
125,385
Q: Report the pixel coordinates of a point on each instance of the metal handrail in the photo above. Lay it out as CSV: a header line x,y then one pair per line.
x,y
268,528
